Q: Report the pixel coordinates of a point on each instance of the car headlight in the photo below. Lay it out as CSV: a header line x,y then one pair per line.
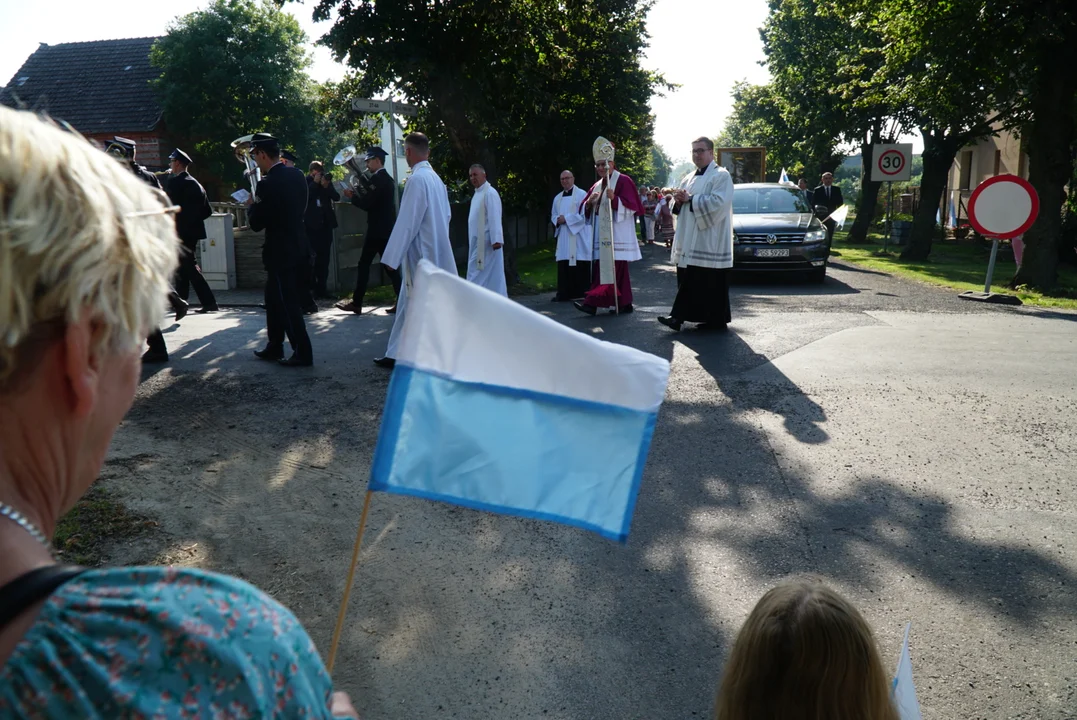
x,y
815,235
735,240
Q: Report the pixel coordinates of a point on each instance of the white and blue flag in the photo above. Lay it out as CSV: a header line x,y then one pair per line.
x,y
495,407
903,690
784,178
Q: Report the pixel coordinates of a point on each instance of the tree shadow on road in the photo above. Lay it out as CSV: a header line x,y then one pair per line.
x,y
480,615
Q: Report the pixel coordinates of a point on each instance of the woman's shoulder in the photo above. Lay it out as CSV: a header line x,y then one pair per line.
x,y
147,639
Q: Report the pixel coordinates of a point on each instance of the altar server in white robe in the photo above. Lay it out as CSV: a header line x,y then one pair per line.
x,y
573,233
703,244
421,231
486,236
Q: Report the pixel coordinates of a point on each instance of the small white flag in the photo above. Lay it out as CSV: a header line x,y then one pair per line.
x,y
784,178
903,691
839,215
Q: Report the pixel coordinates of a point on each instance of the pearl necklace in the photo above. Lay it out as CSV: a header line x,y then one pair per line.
x,y
19,519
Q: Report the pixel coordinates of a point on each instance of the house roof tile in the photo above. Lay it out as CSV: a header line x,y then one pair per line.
x,y
98,86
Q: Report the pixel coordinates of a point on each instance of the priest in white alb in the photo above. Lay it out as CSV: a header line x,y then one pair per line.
x,y
703,244
485,235
573,233
421,231
611,206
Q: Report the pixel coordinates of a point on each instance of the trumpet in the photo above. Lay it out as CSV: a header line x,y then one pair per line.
x,y
360,178
242,148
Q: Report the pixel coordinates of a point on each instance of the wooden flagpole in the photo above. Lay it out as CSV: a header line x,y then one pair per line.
x,y
348,587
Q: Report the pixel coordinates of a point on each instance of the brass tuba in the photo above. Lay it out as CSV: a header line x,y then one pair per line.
x,y
242,148
359,179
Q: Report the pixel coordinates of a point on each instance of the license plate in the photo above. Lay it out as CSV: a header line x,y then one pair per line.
x,y
772,252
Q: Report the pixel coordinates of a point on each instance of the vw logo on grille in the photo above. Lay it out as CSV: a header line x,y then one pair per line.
x,y
771,239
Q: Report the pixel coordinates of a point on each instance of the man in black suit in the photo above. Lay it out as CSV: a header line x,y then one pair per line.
x,y
278,209
379,202
190,196
320,220
829,195
124,150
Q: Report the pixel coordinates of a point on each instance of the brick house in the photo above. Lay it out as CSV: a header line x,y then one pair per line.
x,y
100,87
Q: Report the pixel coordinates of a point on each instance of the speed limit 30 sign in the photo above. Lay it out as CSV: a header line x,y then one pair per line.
x,y
891,163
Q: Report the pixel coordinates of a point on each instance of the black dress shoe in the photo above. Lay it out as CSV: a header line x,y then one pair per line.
x,y
670,322
624,310
179,306
385,362
295,361
310,310
153,357
204,310
584,307
270,353
392,310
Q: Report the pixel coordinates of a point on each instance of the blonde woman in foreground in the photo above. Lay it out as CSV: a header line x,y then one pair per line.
x,y
804,653
86,250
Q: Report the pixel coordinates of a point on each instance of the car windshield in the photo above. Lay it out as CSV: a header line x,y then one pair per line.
x,y
750,201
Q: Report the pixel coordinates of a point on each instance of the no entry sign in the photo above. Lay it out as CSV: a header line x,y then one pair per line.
x,y
1003,207
891,163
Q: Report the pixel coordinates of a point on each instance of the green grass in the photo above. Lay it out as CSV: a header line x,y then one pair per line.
x,y
97,520
958,265
537,269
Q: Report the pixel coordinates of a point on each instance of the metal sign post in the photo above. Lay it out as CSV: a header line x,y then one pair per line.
x,y
1001,208
389,108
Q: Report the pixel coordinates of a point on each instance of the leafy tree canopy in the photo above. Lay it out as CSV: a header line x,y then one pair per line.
x,y
235,68
521,86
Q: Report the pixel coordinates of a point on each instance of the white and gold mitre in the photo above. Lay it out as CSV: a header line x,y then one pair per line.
x,y
602,149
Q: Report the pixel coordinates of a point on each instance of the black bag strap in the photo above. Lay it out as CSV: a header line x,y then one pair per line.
x,y
31,587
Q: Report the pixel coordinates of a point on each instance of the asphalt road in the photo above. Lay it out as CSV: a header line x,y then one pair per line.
x,y
913,449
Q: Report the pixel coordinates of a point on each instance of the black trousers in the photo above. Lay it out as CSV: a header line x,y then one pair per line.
x,y
188,276
370,249
830,226
321,244
702,295
284,312
573,282
156,341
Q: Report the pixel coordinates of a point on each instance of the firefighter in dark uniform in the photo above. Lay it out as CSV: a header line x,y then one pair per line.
x,y
378,199
124,150
278,208
190,196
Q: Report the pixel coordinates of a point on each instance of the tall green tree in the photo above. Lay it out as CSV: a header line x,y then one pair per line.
x,y
1043,53
235,68
957,92
761,117
521,86
823,65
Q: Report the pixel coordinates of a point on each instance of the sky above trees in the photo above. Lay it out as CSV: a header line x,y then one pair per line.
x,y
727,49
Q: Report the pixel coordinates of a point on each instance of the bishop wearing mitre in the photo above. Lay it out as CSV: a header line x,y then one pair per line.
x,y
611,207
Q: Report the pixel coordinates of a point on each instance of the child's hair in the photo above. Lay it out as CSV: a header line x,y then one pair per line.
x,y
804,653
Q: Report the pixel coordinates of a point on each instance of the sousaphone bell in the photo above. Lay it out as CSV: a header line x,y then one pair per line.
x,y
360,178
242,148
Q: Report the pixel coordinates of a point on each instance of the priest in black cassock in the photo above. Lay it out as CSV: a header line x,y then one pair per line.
x,y
703,244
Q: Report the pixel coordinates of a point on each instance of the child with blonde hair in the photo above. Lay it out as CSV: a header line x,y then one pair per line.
x,y
804,653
